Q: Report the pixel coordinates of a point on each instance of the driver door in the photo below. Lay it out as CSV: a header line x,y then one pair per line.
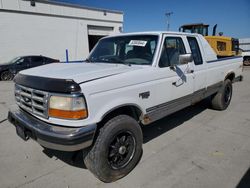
x,y
175,90
181,80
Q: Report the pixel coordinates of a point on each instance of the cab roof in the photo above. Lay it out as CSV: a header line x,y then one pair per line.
x,y
153,33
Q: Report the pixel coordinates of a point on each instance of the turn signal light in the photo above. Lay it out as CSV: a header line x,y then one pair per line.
x,y
66,114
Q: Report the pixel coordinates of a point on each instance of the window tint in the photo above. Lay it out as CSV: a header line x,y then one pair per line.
x,y
48,60
196,53
36,60
27,59
24,61
20,61
173,47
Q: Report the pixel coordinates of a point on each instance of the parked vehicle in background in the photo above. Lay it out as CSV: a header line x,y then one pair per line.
x,y
10,69
128,81
246,57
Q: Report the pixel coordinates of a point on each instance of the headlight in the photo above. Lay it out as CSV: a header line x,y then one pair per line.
x,y
67,107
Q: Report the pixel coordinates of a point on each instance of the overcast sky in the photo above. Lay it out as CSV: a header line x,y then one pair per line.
x,y
232,16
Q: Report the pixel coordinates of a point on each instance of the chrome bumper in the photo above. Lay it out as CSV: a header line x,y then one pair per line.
x,y
49,135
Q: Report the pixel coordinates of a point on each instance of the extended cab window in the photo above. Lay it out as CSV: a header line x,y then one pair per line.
x,y
196,53
172,48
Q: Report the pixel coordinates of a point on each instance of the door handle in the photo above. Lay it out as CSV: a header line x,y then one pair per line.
x,y
178,83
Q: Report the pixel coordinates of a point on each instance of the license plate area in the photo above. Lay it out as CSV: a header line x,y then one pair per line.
x,y
21,132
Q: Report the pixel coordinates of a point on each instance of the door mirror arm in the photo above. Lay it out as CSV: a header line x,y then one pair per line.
x,y
172,67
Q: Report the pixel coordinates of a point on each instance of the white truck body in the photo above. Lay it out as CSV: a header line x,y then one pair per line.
x,y
128,81
109,86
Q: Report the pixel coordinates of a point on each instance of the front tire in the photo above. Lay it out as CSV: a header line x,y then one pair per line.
x,y
222,99
6,75
117,149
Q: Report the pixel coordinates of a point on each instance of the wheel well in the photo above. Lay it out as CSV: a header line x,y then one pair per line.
x,y
1,73
129,110
4,71
230,76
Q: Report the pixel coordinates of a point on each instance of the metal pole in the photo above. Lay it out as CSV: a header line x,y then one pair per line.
x,y
67,56
168,14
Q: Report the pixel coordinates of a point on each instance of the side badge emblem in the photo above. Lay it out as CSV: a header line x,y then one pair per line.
x,y
144,95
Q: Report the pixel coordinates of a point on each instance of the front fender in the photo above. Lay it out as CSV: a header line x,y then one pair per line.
x,y
100,111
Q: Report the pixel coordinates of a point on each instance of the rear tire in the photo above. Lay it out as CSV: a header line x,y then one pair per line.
x,y
117,149
6,75
222,99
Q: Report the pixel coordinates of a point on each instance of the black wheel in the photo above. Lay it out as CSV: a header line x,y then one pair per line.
x,y
246,61
222,99
6,75
117,149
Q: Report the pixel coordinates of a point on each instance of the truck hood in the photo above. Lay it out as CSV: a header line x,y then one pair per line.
x,y
79,72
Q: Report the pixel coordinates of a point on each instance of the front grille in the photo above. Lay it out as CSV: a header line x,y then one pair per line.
x,y
32,100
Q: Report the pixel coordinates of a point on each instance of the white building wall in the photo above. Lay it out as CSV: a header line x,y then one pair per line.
x,y
59,10
49,30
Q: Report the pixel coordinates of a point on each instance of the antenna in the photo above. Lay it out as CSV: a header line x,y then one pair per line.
x,y
168,14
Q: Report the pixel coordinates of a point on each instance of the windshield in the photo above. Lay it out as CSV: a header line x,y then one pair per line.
x,y
14,60
136,49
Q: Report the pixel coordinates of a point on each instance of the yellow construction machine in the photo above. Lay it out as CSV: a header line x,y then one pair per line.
x,y
223,46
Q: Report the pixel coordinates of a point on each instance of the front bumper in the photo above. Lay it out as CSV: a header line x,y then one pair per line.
x,y
49,135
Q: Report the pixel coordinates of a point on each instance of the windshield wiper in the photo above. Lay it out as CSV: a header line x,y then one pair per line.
x,y
121,62
127,63
88,60
107,60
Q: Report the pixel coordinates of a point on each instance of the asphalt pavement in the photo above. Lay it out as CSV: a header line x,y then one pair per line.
x,y
194,148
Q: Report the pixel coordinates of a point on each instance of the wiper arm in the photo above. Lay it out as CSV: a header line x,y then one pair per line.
x,y
127,63
88,60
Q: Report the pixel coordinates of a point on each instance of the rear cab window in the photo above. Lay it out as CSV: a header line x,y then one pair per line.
x,y
195,50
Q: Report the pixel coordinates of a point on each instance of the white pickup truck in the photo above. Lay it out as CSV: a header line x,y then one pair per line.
x,y
128,81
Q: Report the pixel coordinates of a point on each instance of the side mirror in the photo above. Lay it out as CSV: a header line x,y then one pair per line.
x,y
185,58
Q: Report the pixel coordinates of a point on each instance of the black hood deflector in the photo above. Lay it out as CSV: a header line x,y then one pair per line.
x,y
48,84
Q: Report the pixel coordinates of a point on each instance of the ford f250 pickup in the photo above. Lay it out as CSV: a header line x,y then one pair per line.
x,y
128,81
